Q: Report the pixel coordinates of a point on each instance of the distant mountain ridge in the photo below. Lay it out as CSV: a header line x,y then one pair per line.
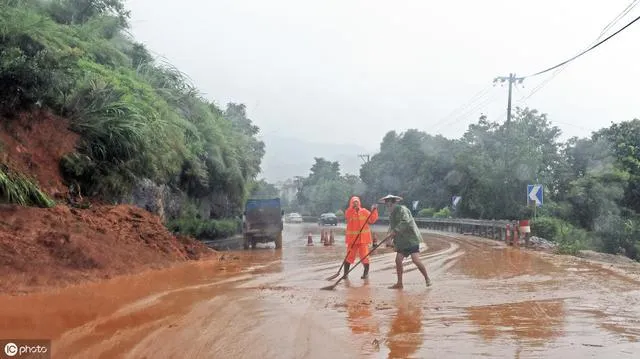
x,y
287,157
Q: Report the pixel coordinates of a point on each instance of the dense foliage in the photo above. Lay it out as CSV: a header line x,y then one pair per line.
x,y
325,189
591,185
138,118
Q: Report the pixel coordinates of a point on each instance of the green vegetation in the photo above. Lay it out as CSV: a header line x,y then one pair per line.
x,y
16,188
547,227
263,189
443,213
571,240
137,118
204,229
592,185
426,212
325,190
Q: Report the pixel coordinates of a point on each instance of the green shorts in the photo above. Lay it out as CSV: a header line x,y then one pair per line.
x,y
409,251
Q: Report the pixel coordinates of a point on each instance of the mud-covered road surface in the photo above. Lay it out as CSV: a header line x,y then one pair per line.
x,y
487,300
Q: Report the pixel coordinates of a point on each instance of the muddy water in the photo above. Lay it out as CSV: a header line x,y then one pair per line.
x,y
487,300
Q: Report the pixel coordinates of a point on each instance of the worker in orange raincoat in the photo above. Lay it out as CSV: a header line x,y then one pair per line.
x,y
358,234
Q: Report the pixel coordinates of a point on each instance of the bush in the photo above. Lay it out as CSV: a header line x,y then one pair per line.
x,y
443,213
426,212
571,240
203,228
546,227
617,235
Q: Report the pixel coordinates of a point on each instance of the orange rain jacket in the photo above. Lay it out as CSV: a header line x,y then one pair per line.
x,y
355,221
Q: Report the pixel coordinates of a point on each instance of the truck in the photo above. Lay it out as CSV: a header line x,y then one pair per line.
x,y
262,222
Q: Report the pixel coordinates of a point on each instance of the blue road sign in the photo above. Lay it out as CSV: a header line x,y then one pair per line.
x,y
535,194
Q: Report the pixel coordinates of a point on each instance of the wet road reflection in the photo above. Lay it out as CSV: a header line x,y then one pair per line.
x,y
536,322
405,335
483,262
359,311
487,300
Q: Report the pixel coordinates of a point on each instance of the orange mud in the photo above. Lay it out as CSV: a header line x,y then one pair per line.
x,y
33,144
46,248
43,248
488,300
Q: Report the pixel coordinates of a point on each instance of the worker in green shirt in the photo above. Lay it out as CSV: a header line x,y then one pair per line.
x,y
406,237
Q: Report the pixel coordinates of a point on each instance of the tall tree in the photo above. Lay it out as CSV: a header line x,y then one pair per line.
x,y
325,189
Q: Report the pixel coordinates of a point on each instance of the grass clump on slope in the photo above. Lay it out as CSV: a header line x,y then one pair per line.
x,y
18,189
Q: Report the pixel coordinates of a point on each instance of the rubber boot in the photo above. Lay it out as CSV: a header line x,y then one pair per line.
x,y
347,265
365,274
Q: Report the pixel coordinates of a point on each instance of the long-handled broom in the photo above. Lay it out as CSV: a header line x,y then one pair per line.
x,y
331,287
351,246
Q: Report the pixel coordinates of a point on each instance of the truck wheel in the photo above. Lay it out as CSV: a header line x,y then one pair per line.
x,y
278,240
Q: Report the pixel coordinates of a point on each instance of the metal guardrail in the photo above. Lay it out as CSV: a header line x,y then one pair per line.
x,y
494,229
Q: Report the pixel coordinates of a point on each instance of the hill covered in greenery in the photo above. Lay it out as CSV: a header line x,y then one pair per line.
x,y
138,119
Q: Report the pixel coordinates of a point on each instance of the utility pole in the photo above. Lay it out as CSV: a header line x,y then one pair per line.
x,y
512,79
507,147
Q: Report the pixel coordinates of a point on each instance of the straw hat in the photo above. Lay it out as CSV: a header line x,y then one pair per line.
x,y
390,198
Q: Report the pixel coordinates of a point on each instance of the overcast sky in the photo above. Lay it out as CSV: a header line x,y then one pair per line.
x,y
349,71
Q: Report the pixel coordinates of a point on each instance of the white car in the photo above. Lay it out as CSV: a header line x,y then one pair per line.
x,y
293,218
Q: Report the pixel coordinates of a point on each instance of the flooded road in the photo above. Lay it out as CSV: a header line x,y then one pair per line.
x,y
487,301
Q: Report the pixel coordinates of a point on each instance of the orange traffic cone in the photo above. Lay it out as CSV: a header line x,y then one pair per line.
x,y
309,240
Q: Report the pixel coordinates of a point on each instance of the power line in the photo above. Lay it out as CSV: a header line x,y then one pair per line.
x,y
462,112
473,109
611,23
615,20
585,51
465,106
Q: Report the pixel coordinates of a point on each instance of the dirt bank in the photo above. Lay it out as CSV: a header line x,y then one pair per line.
x,y
43,248
33,144
47,248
